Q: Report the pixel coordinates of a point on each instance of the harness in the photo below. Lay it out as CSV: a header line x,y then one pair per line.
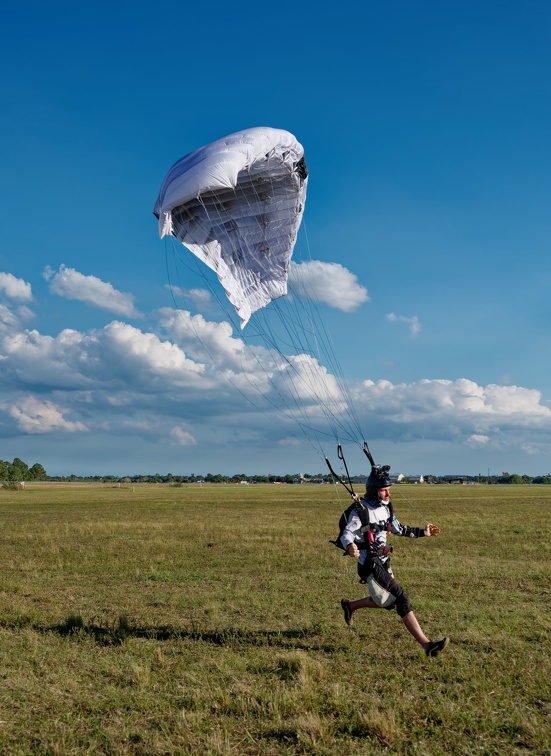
x,y
371,528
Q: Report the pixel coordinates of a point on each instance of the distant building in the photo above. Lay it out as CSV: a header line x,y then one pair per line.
x,y
410,478
399,478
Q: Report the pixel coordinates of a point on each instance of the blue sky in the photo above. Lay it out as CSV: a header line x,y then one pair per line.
x,y
426,131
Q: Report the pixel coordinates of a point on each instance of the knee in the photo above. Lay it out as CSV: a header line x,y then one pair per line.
x,y
403,605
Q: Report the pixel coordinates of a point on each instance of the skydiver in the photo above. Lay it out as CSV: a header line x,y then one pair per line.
x,y
367,544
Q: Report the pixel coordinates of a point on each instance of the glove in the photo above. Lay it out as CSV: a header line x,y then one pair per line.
x,y
432,530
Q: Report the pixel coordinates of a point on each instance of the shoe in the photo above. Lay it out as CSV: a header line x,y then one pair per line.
x,y
345,604
437,646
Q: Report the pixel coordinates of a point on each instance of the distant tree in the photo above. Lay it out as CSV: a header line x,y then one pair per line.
x,y
506,478
37,472
18,470
210,478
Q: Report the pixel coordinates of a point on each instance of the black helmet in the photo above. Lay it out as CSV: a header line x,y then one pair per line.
x,y
379,477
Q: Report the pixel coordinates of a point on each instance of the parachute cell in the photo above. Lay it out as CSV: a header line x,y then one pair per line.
x,y
237,204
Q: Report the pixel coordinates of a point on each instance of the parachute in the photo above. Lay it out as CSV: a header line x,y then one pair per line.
x,y
237,205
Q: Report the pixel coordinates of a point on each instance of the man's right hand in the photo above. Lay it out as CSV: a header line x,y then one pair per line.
x,y
352,551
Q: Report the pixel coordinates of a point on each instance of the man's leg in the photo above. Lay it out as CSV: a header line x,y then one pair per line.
x,y
364,603
413,626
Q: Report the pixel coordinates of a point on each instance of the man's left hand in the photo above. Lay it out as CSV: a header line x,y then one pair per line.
x,y
432,530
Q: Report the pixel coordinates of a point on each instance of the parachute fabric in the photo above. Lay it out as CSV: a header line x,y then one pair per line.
x,y
237,205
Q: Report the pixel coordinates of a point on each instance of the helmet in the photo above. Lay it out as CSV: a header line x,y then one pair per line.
x,y
379,477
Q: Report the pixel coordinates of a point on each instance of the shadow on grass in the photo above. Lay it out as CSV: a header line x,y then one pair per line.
x,y
307,638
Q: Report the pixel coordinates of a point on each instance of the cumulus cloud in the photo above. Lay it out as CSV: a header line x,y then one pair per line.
x,y
477,440
122,379
69,283
459,396
12,320
32,415
15,288
176,384
201,298
330,283
24,313
9,322
118,355
302,378
181,436
412,323
204,340
294,381
459,411
142,357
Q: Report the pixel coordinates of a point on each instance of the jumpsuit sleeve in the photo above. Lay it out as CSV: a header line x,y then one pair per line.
x,y
352,531
397,528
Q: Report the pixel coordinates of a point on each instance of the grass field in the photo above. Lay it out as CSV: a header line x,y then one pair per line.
x,y
206,620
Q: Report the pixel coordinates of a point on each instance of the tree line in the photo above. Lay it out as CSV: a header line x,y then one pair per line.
x,y
504,478
19,471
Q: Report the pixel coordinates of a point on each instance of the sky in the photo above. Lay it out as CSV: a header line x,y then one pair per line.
x,y
426,132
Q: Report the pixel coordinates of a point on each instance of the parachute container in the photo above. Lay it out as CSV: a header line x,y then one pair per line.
x,y
237,205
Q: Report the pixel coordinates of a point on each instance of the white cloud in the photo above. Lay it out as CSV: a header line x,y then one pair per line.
x,y
181,436
24,313
330,283
412,323
294,381
463,396
459,411
9,322
121,379
205,340
200,297
71,284
201,384
32,359
302,378
477,440
117,356
141,357
32,415
15,288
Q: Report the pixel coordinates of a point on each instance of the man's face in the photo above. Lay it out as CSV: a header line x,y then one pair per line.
x,y
384,493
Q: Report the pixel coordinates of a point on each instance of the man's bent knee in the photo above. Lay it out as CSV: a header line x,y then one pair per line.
x,y
403,605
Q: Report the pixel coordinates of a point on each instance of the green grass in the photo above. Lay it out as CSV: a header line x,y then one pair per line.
x,y
206,620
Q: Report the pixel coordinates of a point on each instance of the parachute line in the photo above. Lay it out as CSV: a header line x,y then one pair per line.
x,y
285,407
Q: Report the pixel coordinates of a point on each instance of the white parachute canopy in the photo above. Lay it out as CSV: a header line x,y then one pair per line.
x,y
237,204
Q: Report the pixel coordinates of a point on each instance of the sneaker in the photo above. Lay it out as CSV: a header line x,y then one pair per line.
x,y
436,646
345,604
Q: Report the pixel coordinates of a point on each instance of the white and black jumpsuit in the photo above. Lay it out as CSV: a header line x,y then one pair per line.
x,y
374,560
